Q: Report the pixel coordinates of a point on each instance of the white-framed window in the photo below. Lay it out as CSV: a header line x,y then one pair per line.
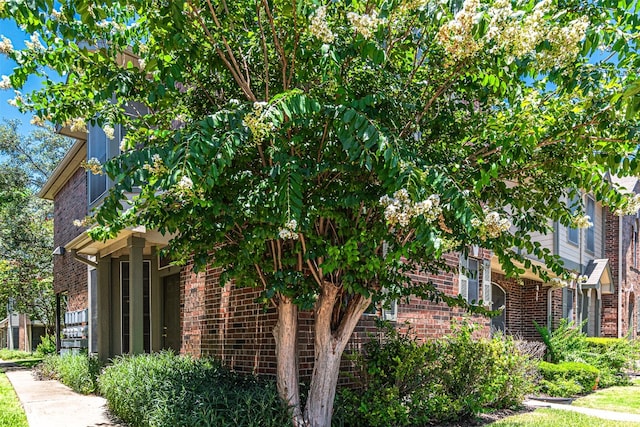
x,y
590,233
568,304
390,313
103,149
573,234
471,272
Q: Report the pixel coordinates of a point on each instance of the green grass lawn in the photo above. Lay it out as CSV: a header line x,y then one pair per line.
x,y
557,417
620,399
11,412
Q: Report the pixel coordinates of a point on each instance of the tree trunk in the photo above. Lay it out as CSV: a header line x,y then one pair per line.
x,y
329,346
286,336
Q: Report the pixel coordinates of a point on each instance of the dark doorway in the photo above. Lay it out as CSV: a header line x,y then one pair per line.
x,y
499,302
171,313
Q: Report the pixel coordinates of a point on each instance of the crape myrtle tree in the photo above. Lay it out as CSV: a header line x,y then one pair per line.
x,y
321,150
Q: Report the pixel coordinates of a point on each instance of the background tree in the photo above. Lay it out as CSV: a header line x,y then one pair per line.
x,y
324,150
26,222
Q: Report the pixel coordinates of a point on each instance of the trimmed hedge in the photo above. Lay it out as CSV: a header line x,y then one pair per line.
x,y
567,378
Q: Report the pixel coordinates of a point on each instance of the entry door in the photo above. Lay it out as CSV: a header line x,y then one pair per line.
x,y
499,297
171,313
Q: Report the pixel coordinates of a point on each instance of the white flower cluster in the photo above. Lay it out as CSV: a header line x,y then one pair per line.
x,y
319,27
400,209
257,122
289,231
493,224
582,221
37,121
5,46
124,144
456,36
109,131
77,125
156,167
632,206
563,282
185,184
84,222
92,165
509,31
365,24
5,83
514,32
564,44
34,42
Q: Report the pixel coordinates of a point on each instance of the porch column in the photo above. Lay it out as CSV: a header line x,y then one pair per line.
x,y
101,319
156,304
136,295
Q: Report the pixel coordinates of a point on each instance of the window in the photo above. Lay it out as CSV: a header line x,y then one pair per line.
x,y
568,298
590,232
103,149
146,283
468,279
573,234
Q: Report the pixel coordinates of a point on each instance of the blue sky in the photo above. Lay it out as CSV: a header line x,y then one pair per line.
x,y
17,37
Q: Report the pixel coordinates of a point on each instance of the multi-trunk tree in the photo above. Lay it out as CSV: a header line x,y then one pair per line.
x,y
320,150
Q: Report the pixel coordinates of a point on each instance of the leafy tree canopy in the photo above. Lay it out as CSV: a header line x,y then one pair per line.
x,y
318,147
26,224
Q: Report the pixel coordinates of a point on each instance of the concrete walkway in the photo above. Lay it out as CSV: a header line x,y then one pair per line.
x,y
52,404
600,413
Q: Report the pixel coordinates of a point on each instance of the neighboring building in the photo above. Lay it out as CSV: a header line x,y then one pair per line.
x,y
606,253
136,303
620,315
18,332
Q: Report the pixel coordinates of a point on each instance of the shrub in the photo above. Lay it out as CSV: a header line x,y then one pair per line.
x,y
567,378
47,345
402,382
564,342
6,354
167,390
77,371
612,356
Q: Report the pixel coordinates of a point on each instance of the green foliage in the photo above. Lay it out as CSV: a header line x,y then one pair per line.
x,y
612,356
47,345
403,382
167,390
567,378
11,411
6,354
26,225
78,371
564,341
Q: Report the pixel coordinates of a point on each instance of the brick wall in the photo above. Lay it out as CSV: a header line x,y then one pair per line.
x,y
526,303
629,285
69,275
227,323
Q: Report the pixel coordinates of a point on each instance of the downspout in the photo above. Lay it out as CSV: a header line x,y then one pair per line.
x,y
549,309
619,287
